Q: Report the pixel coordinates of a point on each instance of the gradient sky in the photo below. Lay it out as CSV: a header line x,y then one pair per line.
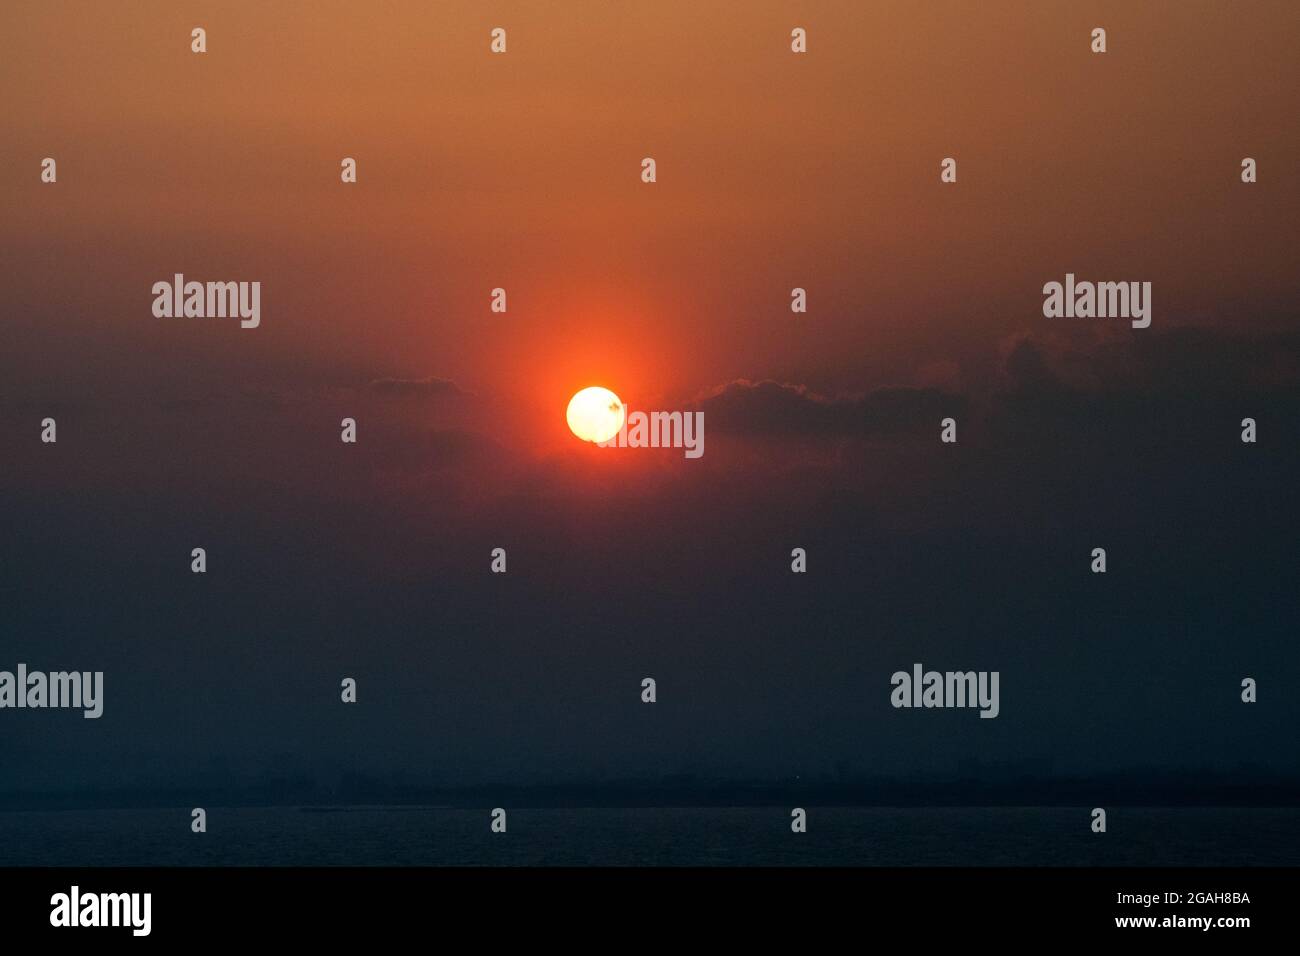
x,y
774,171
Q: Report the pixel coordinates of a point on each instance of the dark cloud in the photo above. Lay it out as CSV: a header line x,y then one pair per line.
x,y
1184,385
429,387
778,408
1188,362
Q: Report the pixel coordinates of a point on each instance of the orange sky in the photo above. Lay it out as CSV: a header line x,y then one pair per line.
x,y
522,170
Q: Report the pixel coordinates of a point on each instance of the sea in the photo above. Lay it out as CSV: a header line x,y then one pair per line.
x,y
677,836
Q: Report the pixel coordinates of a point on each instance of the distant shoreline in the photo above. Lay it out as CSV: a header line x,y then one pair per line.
x,y
417,808
1168,794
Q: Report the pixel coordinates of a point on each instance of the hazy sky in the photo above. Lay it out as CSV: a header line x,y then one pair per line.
x,y
523,171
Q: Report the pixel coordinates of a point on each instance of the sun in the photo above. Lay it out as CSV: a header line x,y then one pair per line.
x,y
595,414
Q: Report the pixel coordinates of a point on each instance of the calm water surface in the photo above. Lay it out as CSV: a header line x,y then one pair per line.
x,y
874,836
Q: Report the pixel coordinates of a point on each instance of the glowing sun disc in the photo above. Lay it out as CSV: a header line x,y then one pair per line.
x,y
595,414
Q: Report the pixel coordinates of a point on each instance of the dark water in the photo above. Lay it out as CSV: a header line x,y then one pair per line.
x,y
873,836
